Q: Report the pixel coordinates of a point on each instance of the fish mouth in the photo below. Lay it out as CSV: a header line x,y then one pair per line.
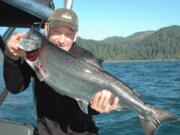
x,y
32,55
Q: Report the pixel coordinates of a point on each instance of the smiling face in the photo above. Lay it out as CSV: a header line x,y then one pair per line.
x,y
61,36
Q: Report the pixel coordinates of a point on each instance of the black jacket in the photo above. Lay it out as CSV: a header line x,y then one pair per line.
x,y
57,114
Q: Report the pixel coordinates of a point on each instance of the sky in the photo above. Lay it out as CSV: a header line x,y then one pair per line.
x,y
99,19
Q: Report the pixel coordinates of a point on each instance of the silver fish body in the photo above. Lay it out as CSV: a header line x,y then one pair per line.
x,y
79,79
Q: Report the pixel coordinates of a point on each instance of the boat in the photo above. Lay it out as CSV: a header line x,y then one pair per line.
x,y
34,13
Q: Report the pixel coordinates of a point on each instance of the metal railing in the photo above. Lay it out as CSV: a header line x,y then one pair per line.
x,y
3,40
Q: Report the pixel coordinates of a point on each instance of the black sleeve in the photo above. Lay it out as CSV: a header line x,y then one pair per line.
x,y
17,74
92,111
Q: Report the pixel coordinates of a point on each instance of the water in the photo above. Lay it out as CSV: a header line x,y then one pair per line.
x,y
157,82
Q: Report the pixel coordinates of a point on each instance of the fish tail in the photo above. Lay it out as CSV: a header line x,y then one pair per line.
x,y
157,116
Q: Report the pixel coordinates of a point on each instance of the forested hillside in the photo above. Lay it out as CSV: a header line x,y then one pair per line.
x,y
161,44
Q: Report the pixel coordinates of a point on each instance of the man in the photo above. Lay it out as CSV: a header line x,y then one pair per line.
x,y
57,114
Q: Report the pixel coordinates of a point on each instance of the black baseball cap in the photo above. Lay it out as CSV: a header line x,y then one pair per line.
x,y
63,16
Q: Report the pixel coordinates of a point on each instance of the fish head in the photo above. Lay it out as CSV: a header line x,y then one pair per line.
x,y
30,42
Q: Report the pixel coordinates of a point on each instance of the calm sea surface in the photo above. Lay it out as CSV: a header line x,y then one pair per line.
x,y
157,82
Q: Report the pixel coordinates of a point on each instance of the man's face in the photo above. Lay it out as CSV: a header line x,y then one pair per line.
x,y
61,36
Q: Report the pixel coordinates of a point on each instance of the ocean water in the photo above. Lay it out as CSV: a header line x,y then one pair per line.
x,y
157,82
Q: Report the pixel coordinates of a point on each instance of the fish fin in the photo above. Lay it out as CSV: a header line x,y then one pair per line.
x,y
156,118
94,62
83,105
39,69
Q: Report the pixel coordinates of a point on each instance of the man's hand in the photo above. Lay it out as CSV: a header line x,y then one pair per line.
x,y
101,102
12,49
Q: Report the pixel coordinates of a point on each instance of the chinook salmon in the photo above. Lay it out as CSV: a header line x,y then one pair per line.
x,y
80,79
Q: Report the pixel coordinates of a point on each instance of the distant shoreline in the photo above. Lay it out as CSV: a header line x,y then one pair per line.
x,y
117,61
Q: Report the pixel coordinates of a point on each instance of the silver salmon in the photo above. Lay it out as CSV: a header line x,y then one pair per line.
x,y
80,79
